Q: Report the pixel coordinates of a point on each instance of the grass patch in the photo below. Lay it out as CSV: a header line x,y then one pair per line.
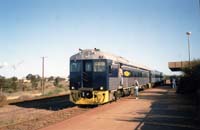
x,y
56,91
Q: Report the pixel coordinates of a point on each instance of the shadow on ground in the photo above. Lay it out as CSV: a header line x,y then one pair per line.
x,y
54,104
169,111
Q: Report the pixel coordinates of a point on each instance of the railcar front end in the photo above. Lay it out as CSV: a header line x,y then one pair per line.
x,y
88,82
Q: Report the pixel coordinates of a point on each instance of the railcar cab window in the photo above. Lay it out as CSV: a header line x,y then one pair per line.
x,y
88,66
75,67
99,66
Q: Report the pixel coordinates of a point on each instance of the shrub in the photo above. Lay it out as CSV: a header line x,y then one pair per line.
x,y
190,81
3,100
54,92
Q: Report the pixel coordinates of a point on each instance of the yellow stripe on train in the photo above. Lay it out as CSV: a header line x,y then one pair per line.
x,y
98,97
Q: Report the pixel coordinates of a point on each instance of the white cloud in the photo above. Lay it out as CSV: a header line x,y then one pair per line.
x,y
4,64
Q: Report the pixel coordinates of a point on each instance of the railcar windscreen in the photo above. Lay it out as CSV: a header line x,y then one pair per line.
x,y
75,67
88,66
99,66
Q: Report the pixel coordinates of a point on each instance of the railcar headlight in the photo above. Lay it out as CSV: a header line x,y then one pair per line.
x,y
72,87
101,88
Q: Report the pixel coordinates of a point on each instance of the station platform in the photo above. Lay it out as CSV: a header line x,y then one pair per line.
x,y
156,109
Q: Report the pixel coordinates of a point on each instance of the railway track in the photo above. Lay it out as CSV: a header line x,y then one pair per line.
x,y
49,103
37,113
45,120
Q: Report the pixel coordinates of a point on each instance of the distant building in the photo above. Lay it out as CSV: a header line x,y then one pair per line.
x,y
26,81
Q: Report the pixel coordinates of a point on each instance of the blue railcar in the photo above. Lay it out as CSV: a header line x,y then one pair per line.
x,y
97,77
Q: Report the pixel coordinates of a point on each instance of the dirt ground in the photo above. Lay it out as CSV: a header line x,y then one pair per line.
x,y
156,109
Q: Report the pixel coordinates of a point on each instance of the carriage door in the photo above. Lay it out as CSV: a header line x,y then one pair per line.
x,y
87,73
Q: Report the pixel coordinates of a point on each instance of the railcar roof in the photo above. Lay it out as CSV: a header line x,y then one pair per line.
x,y
97,54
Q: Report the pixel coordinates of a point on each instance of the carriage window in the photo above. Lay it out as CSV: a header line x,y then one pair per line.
x,y
75,67
99,66
88,66
144,74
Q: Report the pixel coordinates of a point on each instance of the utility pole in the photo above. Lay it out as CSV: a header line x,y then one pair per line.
x,y
42,81
188,34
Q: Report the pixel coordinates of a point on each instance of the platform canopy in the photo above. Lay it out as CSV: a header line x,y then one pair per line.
x,y
178,65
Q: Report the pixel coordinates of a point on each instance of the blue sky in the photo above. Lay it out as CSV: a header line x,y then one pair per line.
x,y
150,32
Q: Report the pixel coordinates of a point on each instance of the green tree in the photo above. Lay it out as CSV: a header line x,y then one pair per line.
x,y
34,80
10,84
190,81
29,76
193,70
51,78
57,81
2,83
14,83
